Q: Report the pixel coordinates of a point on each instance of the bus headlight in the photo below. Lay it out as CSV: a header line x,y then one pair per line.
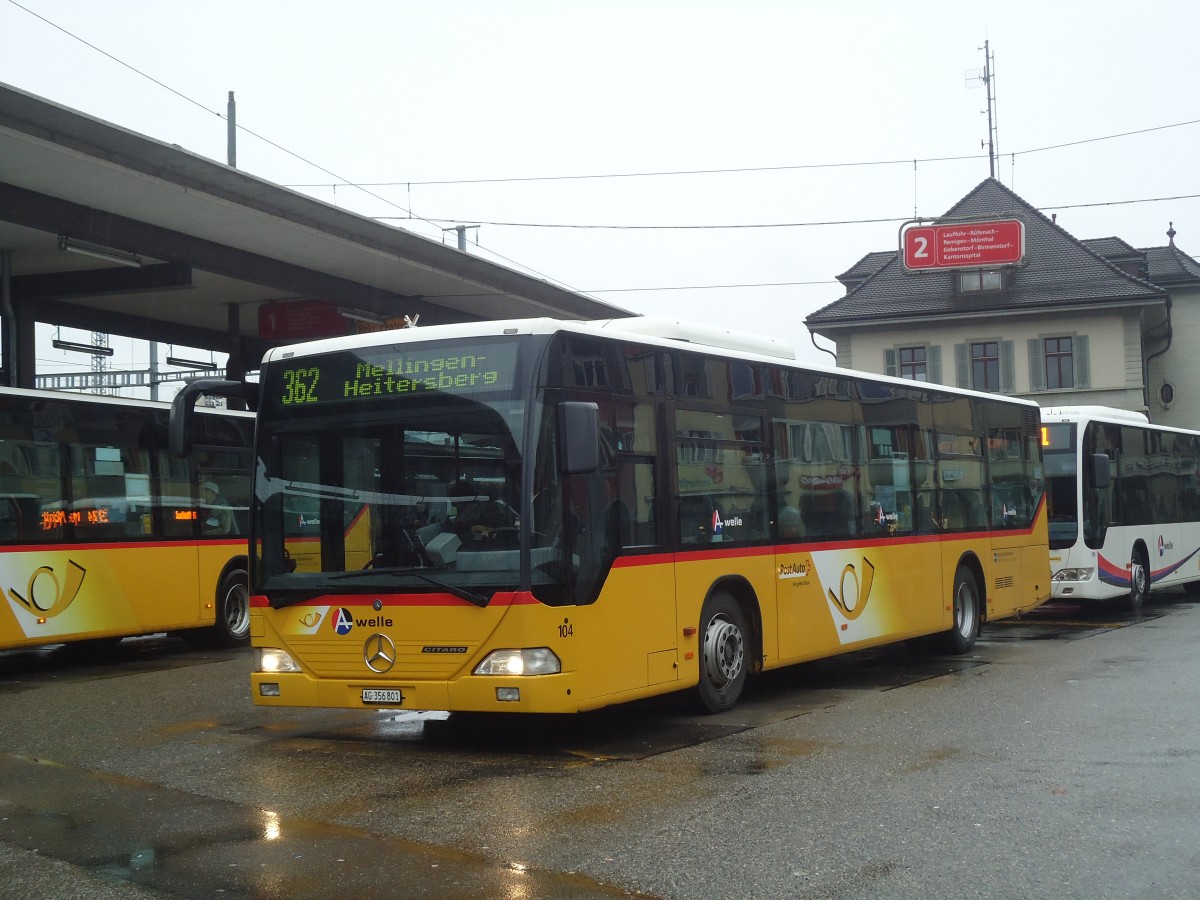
x,y
1073,575
529,661
272,659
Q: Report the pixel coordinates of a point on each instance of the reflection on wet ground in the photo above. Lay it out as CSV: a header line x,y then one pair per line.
x,y
182,844
132,831
22,670
661,725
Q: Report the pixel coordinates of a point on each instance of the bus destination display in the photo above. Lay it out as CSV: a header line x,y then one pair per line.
x,y
398,373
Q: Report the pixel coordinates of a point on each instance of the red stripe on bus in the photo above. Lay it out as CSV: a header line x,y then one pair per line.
x,y
500,598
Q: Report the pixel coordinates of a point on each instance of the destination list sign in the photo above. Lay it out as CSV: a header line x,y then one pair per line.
x,y
963,245
394,372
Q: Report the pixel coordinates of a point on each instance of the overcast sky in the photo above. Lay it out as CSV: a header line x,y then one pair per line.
x,y
815,112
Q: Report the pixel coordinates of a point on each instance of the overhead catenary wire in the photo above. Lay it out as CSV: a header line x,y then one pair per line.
x,y
409,183
437,222
744,225
666,173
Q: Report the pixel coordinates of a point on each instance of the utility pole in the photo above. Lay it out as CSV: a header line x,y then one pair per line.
x,y
462,235
231,119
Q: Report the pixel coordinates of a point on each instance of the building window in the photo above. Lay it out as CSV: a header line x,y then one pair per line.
x,y
1060,363
978,280
913,364
985,366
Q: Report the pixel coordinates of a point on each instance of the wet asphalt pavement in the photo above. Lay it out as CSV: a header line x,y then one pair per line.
x,y
1060,759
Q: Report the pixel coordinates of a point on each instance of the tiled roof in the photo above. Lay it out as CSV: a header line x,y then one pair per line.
x,y
1170,266
1059,271
867,266
1110,248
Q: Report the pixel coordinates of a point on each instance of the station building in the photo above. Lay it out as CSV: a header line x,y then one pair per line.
x,y
1074,322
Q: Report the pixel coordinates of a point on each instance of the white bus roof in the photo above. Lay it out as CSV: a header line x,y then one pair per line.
x,y
662,332
1105,413
1108,414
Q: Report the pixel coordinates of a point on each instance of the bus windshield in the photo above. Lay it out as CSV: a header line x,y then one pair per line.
x,y
1059,452
384,470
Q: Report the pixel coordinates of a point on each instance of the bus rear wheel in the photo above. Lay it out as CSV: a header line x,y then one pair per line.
x,y
232,628
723,663
967,613
1139,581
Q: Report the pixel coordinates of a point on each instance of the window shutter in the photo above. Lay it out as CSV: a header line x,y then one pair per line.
x,y
889,362
1082,361
1008,377
962,365
1037,365
934,355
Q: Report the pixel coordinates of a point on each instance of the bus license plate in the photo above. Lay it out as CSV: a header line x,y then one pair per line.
x,y
378,695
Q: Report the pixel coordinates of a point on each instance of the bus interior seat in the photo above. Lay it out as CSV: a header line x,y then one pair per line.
x,y
427,533
925,516
443,548
962,509
618,525
695,519
829,512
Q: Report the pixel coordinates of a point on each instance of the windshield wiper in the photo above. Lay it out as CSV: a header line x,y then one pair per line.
x,y
463,594
293,596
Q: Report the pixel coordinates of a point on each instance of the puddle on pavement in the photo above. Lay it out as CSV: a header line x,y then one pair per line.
x,y
124,830
1066,622
29,668
630,732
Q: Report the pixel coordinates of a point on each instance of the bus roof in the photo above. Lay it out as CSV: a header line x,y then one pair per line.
x,y
1108,414
661,332
1102,413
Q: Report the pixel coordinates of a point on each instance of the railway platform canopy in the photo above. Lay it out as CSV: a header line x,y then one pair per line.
x,y
107,230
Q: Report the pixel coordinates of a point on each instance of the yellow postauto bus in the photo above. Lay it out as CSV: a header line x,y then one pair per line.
x,y
545,516
104,535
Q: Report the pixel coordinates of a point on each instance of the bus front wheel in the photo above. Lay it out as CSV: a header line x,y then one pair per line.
x,y
1139,581
723,662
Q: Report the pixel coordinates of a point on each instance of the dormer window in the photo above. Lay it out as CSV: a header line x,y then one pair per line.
x,y
976,281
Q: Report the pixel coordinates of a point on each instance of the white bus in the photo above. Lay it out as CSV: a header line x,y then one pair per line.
x,y
1124,504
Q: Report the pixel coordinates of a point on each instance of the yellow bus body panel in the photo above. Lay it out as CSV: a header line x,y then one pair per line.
x,y
641,636
56,594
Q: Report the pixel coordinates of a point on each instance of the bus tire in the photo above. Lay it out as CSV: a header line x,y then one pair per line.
x,y
723,657
232,628
233,608
968,610
1139,580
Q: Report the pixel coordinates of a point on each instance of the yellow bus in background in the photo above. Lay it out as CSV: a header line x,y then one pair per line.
x,y
104,535
543,516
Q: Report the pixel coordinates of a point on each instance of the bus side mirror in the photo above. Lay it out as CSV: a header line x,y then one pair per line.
x,y
1101,471
183,407
579,437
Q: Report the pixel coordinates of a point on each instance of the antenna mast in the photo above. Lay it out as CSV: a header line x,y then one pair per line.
x,y
989,61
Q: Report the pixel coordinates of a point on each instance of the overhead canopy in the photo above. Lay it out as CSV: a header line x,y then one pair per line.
x,y
207,246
